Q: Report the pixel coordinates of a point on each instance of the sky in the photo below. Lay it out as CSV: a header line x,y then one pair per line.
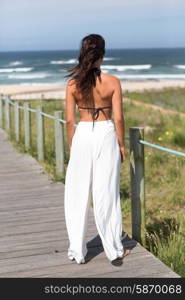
x,y
61,24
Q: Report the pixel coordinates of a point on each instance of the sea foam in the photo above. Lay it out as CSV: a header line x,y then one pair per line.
x,y
15,63
63,62
179,66
73,61
126,67
108,58
31,76
11,70
152,76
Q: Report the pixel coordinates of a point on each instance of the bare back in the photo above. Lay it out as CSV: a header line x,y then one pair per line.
x,y
108,92
102,97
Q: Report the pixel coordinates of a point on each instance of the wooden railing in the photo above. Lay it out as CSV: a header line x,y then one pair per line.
x,y
5,103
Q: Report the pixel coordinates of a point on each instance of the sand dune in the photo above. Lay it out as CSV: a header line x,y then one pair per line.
x,y
46,91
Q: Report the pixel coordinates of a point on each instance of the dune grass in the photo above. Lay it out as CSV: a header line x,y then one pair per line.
x,y
169,98
164,174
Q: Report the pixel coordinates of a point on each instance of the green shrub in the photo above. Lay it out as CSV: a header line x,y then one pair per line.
x,y
166,240
179,138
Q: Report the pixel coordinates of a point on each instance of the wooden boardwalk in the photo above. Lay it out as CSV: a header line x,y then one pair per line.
x,y
33,237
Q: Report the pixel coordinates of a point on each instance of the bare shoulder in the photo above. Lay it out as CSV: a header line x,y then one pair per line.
x,y
71,82
71,85
111,79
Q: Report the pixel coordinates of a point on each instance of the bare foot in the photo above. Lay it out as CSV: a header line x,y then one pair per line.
x,y
126,252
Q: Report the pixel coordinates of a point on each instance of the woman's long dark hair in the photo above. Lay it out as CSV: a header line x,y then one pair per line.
x,y
92,49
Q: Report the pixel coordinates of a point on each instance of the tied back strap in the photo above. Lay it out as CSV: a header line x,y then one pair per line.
x,y
97,71
96,111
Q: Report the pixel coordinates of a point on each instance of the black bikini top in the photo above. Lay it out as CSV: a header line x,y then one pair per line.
x,y
96,111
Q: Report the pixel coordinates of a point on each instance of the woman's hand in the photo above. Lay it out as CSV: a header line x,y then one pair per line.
x,y
123,153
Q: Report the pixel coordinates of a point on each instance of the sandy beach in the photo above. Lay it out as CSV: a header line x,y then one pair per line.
x,y
48,91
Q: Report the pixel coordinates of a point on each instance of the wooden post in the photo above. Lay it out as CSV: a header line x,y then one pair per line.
x,y
7,114
27,126
17,121
1,111
40,133
59,143
137,183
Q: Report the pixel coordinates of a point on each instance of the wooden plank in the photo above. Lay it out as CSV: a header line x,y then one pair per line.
x,y
40,133
31,194
34,228
34,205
137,179
22,174
33,220
28,193
7,114
44,249
30,212
59,143
162,274
17,121
31,189
1,112
27,126
30,215
18,173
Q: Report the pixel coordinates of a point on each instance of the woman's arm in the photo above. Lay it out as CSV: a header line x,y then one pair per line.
x,y
70,108
119,120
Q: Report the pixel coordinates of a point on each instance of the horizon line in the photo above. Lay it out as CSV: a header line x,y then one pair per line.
x,y
47,50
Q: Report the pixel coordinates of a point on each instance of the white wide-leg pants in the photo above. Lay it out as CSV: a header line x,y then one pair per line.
x,y
93,174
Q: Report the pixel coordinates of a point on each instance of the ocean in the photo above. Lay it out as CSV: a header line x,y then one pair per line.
x,y
37,67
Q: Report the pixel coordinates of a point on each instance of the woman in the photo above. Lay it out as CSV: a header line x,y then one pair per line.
x,y
97,149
